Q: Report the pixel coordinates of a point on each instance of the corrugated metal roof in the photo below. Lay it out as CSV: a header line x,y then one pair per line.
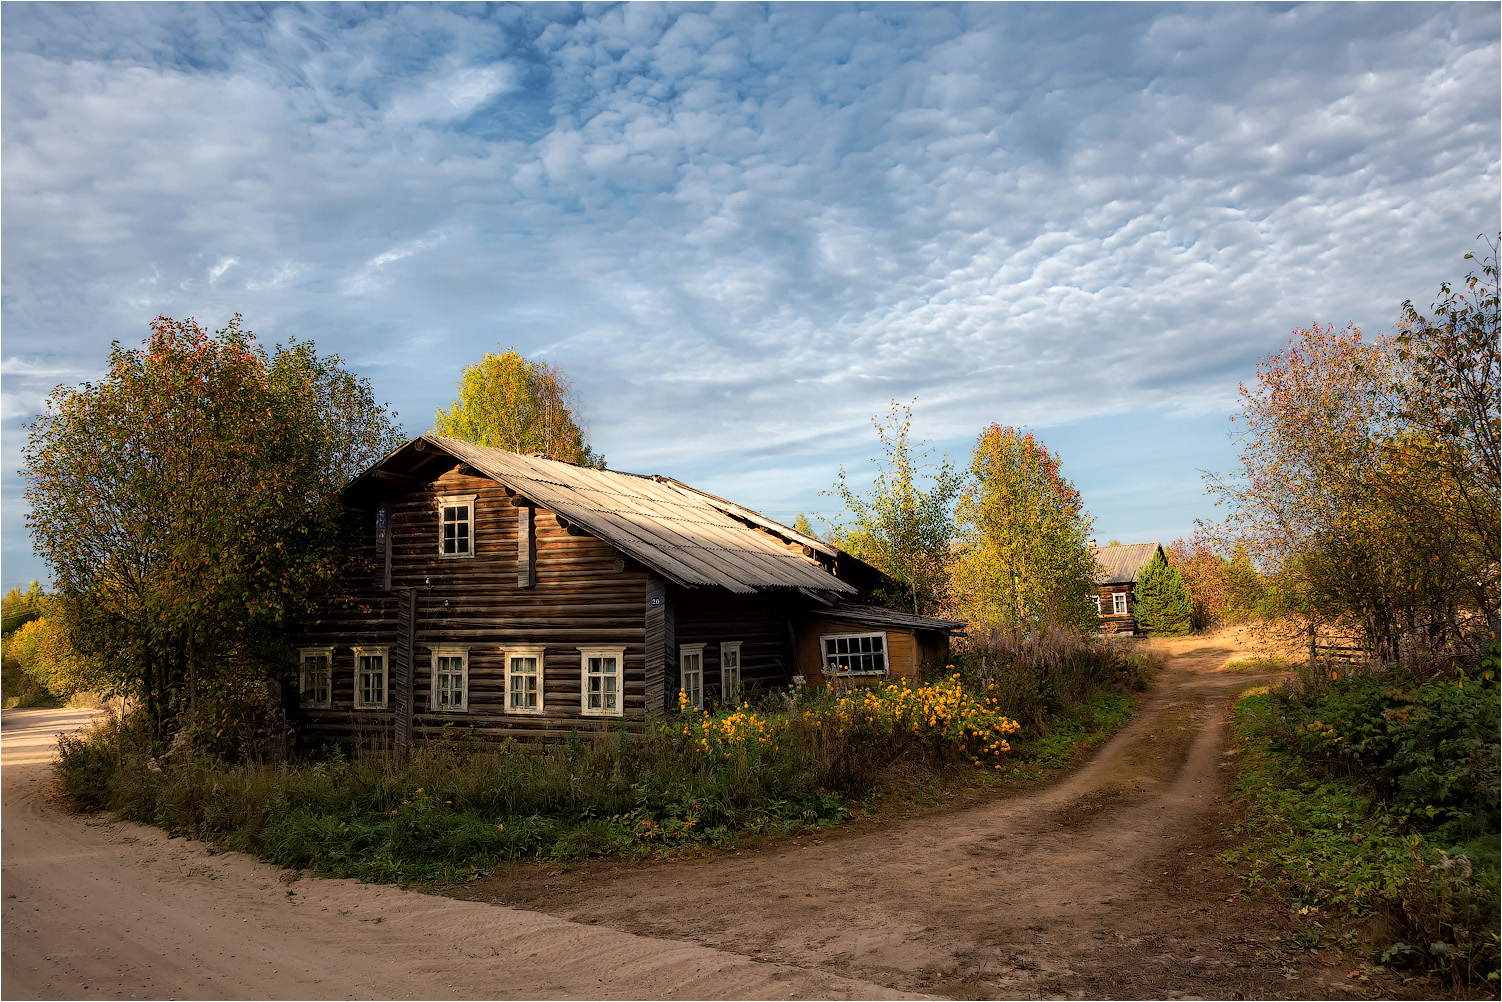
x,y
677,531
1120,564
878,615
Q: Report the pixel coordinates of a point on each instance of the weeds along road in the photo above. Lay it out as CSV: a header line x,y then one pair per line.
x,y
101,909
1104,884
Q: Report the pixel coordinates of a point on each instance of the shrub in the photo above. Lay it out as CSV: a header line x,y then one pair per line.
x,y
1375,797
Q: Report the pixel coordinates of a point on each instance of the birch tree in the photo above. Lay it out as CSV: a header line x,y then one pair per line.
x,y
1026,560
904,524
514,403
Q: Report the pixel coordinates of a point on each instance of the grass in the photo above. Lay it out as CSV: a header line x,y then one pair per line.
x,y
1372,807
1259,665
454,808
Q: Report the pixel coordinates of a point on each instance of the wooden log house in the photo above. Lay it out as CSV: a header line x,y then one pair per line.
x,y
1116,576
519,596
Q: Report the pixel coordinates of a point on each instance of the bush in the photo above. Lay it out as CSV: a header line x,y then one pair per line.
x,y
1372,797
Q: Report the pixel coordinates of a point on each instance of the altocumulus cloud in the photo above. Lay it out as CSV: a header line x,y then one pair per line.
x,y
742,229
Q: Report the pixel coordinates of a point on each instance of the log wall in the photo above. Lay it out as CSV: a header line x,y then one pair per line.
x,y
762,624
584,595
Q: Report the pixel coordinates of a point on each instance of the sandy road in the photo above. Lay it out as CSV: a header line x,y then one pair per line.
x,y
99,909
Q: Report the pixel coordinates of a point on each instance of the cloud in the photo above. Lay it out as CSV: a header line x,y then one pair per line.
x,y
744,229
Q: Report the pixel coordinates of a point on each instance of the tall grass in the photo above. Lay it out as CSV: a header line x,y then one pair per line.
x,y
1051,674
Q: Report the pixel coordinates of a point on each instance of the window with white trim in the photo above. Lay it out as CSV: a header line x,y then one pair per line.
x,y
854,653
315,676
730,671
602,671
449,686
691,673
524,678
456,525
1097,604
1118,604
370,678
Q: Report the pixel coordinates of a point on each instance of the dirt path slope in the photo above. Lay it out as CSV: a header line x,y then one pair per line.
x,y
1103,885
96,909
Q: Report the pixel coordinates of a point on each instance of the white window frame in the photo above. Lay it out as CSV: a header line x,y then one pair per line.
x,y
1097,604
303,654
730,678
831,670
1118,603
692,654
525,652
619,653
467,501
370,652
462,653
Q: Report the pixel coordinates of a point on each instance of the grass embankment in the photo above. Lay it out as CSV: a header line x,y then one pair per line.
x,y
1373,808
453,808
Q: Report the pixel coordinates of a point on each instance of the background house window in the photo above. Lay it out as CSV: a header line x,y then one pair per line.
x,y
456,523
370,678
691,672
730,671
1097,604
450,689
1118,604
316,678
855,653
524,675
600,692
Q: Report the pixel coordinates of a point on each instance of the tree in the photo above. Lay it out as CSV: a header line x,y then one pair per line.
x,y
1448,397
1026,561
900,527
1369,480
1162,601
189,504
1204,573
510,402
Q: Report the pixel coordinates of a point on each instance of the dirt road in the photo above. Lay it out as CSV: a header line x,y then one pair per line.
x,y
97,909
1102,885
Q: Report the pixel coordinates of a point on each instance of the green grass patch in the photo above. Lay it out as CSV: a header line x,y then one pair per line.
x,y
1374,807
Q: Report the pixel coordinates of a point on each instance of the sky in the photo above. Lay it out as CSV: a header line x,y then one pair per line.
x,y
744,230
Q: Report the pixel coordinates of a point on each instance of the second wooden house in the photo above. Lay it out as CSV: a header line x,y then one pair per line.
x,y
1116,577
520,596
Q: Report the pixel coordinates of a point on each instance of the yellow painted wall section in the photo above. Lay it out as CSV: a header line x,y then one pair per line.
x,y
902,648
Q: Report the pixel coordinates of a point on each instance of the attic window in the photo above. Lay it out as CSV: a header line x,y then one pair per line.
x,y
456,525
854,653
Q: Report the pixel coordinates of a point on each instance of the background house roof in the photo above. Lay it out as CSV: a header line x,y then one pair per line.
x,y
687,536
1120,564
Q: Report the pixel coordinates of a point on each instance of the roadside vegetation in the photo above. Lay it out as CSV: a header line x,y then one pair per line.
x,y
454,808
1372,807
1369,494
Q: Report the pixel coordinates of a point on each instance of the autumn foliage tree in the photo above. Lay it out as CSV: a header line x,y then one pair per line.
x,y
188,504
905,523
514,403
1026,561
1369,475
